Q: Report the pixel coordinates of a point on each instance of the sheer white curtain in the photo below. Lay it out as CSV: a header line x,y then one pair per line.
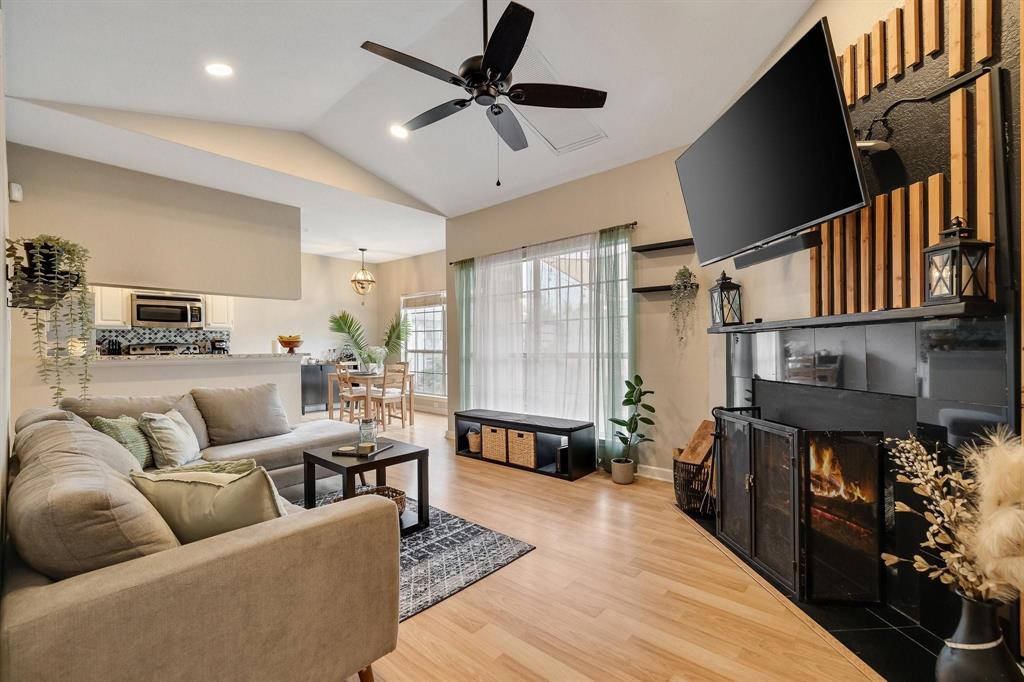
x,y
551,329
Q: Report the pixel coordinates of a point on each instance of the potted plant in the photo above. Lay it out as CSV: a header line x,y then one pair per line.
x,y
47,280
974,540
624,466
395,336
684,300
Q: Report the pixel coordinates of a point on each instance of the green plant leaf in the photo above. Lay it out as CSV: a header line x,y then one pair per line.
x,y
348,326
645,439
638,381
617,421
649,408
630,386
632,422
622,439
647,393
396,334
647,420
627,402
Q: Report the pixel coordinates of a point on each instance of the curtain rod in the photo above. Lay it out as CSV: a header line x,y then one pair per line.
x,y
550,241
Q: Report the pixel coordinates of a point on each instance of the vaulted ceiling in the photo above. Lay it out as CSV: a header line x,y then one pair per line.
x,y
669,68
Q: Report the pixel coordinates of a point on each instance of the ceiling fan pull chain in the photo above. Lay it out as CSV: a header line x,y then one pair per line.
x,y
497,159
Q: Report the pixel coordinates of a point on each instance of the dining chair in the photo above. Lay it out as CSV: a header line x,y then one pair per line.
x,y
390,393
350,394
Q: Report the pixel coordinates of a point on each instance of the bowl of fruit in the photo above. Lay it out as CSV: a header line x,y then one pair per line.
x,y
290,342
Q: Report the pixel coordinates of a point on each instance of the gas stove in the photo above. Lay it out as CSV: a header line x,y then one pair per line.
x,y
164,349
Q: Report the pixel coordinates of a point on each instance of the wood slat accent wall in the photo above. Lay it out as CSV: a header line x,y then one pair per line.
x,y
915,243
826,269
861,88
878,55
848,78
984,174
931,25
912,33
894,42
852,276
815,277
981,29
898,242
881,205
957,37
867,259
958,154
936,207
838,271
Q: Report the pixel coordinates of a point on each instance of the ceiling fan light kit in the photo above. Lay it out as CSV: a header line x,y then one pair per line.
x,y
488,77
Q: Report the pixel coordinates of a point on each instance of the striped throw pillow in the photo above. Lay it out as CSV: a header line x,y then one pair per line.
x,y
126,431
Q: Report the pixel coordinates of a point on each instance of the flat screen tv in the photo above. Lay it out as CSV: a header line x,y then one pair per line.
x,y
781,159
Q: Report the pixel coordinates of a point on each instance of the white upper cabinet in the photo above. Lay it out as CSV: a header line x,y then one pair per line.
x,y
220,312
111,307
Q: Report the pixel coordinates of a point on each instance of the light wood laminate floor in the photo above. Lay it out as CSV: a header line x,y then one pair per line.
x,y
621,586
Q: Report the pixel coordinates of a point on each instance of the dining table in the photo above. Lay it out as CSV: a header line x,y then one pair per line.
x,y
368,379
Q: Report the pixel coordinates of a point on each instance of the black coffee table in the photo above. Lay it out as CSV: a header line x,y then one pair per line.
x,y
349,466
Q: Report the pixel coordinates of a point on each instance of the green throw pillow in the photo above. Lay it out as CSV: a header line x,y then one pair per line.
x,y
229,466
126,431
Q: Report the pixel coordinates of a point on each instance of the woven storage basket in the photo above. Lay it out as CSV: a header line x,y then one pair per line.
x,y
522,448
691,484
475,441
394,494
494,443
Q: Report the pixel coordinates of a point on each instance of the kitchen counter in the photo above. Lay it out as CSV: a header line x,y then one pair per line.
x,y
201,358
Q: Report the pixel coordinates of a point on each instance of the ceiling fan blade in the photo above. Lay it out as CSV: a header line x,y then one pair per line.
x,y
554,95
504,121
507,41
413,63
437,113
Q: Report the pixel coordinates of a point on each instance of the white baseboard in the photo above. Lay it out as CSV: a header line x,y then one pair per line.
x,y
657,473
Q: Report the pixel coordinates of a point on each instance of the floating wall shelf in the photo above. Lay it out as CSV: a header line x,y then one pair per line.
x,y
652,290
663,246
975,309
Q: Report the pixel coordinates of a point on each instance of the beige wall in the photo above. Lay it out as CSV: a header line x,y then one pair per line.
x,y
648,192
147,231
397,278
325,291
5,314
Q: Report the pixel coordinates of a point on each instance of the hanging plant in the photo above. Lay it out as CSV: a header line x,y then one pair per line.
x,y
684,299
47,280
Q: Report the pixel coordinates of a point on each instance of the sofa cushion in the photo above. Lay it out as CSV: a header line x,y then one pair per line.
x,y
201,504
285,450
125,430
71,508
133,406
34,415
239,414
173,440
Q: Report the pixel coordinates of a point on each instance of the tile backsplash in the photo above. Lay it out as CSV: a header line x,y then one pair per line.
x,y
154,335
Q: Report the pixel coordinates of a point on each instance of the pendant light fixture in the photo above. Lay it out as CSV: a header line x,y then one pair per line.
x,y
362,279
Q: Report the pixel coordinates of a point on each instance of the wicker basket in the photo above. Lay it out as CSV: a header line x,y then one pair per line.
x,y
494,443
394,494
475,441
522,448
691,484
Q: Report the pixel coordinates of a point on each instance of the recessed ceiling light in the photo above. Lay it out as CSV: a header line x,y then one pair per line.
x,y
399,131
219,70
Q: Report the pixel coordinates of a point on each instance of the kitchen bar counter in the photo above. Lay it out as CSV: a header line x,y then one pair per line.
x,y
201,358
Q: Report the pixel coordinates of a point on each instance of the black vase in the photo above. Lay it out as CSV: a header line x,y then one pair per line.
x,y
40,261
976,651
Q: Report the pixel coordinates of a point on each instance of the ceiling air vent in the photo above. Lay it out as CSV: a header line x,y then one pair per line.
x,y
565,130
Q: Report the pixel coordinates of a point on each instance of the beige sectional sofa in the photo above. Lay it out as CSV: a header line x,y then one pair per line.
x,y
309,596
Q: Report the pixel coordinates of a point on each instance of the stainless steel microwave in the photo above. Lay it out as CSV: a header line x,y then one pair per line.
x,y
167,311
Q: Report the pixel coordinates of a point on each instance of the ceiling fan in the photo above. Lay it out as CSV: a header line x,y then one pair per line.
x,y
487,77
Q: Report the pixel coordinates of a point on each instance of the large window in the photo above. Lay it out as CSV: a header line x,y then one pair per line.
x,y
425,349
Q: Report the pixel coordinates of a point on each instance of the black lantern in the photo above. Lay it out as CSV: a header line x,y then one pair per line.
x,y
956,267
725,302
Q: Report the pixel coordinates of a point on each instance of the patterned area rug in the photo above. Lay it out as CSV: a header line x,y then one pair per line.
x,y
448,556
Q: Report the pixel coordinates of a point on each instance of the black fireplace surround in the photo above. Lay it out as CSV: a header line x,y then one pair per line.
x,y
805,490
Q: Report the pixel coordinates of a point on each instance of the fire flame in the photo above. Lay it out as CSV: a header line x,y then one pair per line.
x,y
827,477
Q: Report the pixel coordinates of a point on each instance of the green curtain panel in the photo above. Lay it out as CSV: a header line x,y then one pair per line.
x,y
464,307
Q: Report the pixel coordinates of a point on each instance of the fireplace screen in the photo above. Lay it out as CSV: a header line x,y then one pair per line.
x,y
843,472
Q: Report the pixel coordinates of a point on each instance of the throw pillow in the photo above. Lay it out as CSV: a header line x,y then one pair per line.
x,y
173,441
126,431
239,414
202,504
34,415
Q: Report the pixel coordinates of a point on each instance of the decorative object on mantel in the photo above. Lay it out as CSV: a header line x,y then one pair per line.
x,y
290,342
970,513
691,471
623,467
395,336
47,280
684,299
725,302
957,267
362,279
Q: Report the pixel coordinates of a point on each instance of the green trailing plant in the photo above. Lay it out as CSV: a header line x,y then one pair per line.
x,y
684,300
47,280
395,336
630,436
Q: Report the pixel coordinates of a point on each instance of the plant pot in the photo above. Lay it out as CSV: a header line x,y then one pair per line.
x,y
976,651
40,261
622,470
